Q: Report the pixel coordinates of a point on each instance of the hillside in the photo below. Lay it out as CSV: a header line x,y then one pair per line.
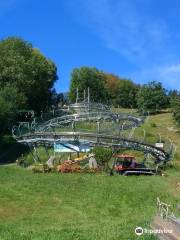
x,y
86,206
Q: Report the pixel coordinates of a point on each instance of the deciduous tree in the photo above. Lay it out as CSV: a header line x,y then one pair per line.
x,y
87,77
175,103
127,94
28,70
10,101
152,97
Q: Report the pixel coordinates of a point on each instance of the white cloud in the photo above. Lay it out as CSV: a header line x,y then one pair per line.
x,y
172,69
133,32
169,75
143,38
126,29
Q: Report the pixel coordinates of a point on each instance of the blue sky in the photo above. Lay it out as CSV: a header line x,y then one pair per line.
x,y
136,39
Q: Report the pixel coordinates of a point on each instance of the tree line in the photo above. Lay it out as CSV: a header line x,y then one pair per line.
x,y
27,80
119,92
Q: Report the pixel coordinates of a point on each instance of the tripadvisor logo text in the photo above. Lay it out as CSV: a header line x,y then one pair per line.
x,y
139,231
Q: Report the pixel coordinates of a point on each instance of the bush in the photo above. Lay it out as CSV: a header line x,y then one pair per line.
x,y
153,125
41,168
102,155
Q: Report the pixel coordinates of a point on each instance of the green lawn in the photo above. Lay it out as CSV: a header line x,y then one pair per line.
x,y
84,206
77,206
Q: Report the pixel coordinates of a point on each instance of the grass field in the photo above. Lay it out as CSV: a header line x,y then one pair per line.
x,y
54,206
86,206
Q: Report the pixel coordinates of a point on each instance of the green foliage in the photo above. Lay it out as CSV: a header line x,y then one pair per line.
x,y
121,92
40,168
10,101
175,103
10,150
85,77
127,94
153,125
26,159
152,97
102,155
173,94
28,70
103,87
111,84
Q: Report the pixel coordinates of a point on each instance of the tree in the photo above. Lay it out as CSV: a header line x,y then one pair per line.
x,y
57,99
28,70
175,103
172,94
102,155
86,77
152,97
121,92
10,101
127,94
112,83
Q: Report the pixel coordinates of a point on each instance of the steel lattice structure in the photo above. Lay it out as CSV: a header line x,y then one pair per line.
x,y
120,121
63,129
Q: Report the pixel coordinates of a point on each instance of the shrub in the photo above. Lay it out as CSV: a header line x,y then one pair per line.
x,y
102,155
153,125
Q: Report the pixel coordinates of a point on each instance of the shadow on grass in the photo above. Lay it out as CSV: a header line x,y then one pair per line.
x,y
10,150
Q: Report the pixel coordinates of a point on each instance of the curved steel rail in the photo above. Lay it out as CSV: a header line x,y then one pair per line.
x,y
49,132
119,122
95,140
133,121
86,106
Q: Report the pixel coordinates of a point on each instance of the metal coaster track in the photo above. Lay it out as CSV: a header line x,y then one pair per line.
x,y
94,140
120,122
55,130
91,116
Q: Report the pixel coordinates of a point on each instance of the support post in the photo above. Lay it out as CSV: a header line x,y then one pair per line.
x,y
77,95
84,95
73,126
160,139
98,130
46,150
88,99
34,158
36,153
144,135
88,95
